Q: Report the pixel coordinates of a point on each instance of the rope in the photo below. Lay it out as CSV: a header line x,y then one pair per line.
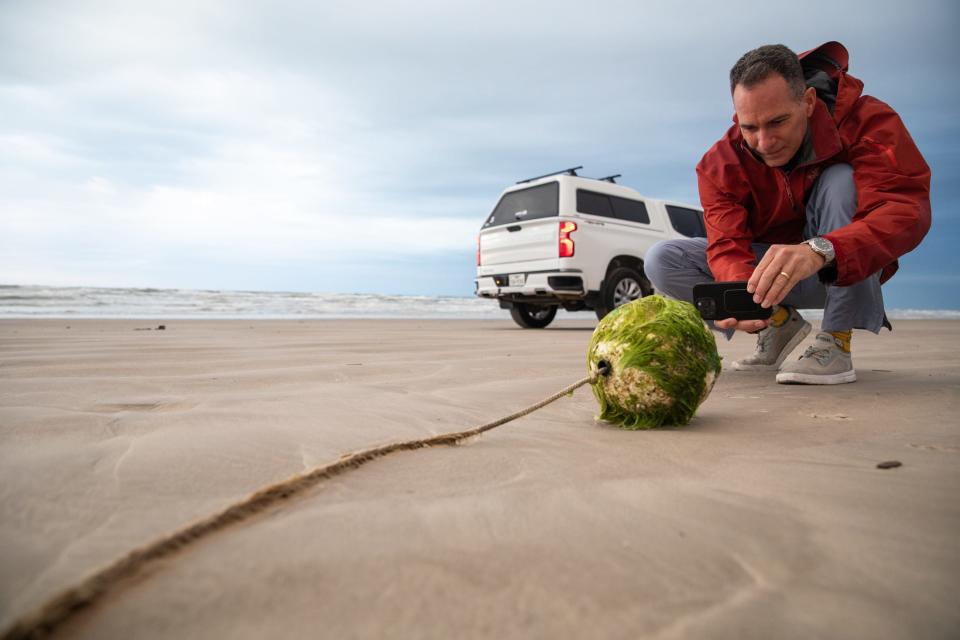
x,y
45,620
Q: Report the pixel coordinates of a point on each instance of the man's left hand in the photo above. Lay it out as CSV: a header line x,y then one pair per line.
x,y
782,267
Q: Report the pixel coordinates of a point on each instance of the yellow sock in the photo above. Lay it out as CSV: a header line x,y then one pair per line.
x,y
843,339
780,315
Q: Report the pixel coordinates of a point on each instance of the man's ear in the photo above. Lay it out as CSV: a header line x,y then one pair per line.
x,y
810,100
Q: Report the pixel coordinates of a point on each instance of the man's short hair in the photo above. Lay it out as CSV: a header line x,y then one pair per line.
x,y
761,63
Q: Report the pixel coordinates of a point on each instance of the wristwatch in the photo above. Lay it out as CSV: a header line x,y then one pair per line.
x,y
824,247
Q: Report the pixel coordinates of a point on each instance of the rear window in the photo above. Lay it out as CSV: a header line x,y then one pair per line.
x,y
542,201
688,222
596,204
632,210
600,204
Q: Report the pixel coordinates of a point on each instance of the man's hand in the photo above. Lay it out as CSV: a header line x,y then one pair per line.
x,y
782,267
750,326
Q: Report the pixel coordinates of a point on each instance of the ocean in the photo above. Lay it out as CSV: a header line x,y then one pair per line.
x,y
32,301
97,302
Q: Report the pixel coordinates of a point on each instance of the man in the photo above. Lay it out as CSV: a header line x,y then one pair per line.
x,y
811,196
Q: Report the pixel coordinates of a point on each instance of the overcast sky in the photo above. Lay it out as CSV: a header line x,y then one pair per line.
x,y
357,147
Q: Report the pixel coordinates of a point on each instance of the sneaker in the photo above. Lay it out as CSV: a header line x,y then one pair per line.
x,y
824,362
774,344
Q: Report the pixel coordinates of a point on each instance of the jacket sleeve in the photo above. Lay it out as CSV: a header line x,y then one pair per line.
x,y
729,253
893,194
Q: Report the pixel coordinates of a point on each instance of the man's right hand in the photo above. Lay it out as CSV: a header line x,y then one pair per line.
x,y
750,326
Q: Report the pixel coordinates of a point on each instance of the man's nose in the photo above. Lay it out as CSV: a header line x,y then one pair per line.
x,y
765,141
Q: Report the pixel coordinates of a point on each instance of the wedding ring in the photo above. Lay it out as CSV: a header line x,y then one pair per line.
x,y
784,274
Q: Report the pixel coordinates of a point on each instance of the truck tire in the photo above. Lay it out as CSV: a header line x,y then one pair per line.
x,y
623,285
533,316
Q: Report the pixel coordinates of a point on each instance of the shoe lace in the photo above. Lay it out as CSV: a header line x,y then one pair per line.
x,y
764,339
821,354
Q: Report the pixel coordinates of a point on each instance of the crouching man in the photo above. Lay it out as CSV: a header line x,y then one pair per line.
x,y
811,196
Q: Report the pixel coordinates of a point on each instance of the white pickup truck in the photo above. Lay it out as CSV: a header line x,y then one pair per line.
x,y
564,240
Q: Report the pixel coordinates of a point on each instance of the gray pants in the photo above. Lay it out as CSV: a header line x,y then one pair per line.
x,y
674,266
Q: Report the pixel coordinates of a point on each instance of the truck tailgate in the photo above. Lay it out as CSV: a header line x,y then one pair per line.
x,y
521,242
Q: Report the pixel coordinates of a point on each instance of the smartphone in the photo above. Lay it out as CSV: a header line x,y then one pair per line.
x,y
721,300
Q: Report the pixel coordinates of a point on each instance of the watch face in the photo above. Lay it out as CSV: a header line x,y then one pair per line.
x,y
822,246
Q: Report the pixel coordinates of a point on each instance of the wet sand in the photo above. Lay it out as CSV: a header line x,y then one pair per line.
x,y
765,517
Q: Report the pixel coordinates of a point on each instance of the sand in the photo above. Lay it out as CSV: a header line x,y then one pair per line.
x,y
766,517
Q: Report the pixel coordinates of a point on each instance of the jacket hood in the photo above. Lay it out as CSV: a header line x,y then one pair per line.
x,y
825,69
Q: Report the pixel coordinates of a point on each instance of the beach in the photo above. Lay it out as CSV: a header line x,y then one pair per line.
x,y
765,517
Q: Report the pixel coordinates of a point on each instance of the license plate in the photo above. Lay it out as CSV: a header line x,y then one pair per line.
x,y
517,279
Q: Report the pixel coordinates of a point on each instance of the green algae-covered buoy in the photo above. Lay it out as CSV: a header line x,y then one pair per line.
x,y
661,363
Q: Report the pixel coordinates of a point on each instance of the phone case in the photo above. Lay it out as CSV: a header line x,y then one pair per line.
x,y
721,300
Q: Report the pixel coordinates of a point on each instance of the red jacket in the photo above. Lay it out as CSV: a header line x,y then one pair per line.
x,y
746,201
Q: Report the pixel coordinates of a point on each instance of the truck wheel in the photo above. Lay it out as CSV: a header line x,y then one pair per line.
x,y
533,316
623,285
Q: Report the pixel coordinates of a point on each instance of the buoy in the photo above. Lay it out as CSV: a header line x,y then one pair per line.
x,y
657,363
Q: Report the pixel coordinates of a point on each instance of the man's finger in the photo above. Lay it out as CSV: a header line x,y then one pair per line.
x,y
779,288
751,326
767,279
754,280
740,325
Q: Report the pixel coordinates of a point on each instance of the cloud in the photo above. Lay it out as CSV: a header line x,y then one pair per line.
x,y
293,134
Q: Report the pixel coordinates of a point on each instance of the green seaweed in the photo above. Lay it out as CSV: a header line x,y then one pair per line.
x,y
663,362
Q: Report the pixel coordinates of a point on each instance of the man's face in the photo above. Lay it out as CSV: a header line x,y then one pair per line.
x,y
772,121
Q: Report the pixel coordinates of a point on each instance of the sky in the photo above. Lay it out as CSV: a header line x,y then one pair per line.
x,y
349,147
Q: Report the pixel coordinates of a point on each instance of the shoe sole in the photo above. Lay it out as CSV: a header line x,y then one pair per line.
x,y
817,378
802,333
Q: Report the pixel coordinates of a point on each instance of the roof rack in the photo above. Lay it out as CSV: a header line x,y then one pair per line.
x,y
572,171
611,178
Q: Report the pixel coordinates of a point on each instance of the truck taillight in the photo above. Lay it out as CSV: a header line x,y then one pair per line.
x,y
478,251
566,242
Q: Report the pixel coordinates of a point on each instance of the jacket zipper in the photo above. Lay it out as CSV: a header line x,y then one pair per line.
x,y
786,181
